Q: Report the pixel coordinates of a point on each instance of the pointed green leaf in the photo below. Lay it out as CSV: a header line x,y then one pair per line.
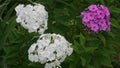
x,y
114,23
82,39
102,38
83,61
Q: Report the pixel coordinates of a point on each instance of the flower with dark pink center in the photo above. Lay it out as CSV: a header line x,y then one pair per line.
x,y
93,7
94,27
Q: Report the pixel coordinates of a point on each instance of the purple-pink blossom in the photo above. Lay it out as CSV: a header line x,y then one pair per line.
x,y
93,7
96,18
94,27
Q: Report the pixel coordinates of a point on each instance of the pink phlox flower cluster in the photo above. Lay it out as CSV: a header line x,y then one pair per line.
x,y
96,18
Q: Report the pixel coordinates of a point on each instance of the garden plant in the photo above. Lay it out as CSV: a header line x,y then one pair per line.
x,y
59,33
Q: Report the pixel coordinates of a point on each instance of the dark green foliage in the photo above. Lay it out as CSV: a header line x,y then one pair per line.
x,y
91,50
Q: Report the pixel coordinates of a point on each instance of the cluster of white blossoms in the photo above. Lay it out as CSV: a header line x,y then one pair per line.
x,y
32,17
51,49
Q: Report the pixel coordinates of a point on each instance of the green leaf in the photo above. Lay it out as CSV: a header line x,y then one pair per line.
x,y
76,47
3,7
10,26
102,38
114,9
9,12
65,3
83,61
106,61
111,34
90,49
110,1
90,66
50,2
114,23
10,49
107,51
11,59
34,64
103,2
82,39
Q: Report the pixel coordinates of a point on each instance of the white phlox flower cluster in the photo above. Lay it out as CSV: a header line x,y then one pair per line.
x,y
32,17
51,49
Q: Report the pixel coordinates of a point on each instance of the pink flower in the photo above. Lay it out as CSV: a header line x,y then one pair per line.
x,y
91,15
86,18
92,8
94,27
96,18
101,21
88,24
103,26
105,10
100,14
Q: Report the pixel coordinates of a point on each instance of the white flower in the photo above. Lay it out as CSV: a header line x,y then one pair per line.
x,y
51,49
32,17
